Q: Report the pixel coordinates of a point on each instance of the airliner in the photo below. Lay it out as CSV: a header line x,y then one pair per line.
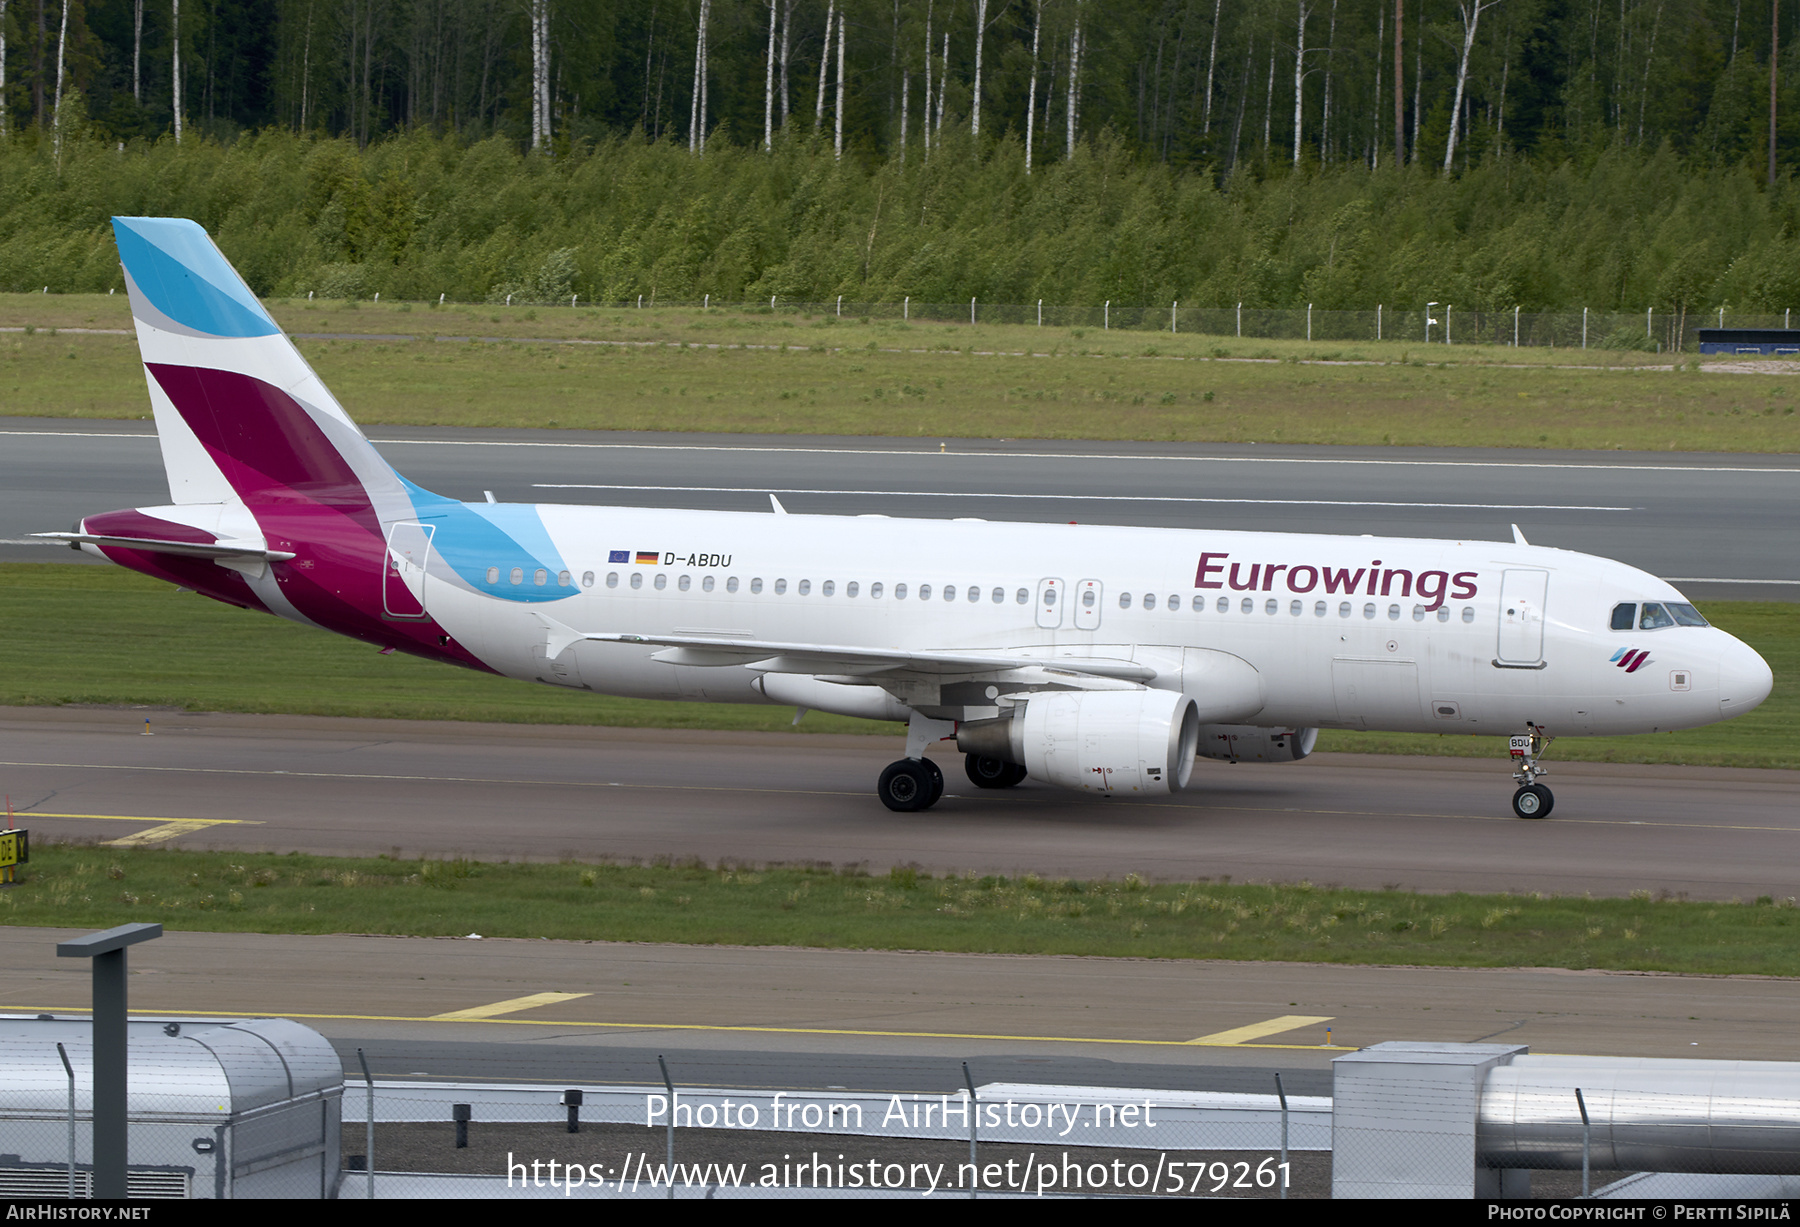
x,y
1093,658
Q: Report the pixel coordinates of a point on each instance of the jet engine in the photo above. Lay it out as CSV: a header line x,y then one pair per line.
x,y
1125,741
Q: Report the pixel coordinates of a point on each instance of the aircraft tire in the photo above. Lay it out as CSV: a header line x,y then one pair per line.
x,y
1533,801
937,781
905,787
985,772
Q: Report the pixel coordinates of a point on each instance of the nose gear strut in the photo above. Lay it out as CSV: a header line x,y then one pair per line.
x,y
1532,800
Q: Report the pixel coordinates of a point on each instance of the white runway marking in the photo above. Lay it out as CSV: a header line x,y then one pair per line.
x,y
1085,498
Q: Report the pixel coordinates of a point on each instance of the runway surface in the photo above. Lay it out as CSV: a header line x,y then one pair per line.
x,y
1720,526
772,1017
490,791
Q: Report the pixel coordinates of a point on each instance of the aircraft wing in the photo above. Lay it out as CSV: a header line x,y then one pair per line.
x,y
834,659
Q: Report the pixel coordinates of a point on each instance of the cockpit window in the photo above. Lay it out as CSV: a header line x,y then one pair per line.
x,y
1686,615
1654,617
1624,616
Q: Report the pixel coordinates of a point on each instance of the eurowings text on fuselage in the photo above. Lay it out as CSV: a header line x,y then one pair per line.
x,y
1091,657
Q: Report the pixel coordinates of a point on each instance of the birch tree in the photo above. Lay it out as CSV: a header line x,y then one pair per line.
x,y
1037,26
5,119
824,67
1470,11
1072,96
175,78
1305,11
137,49
925,127
837,143
769,86
539,14
697,101
62,40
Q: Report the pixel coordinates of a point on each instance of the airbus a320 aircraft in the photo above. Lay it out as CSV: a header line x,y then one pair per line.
x,y
1087,657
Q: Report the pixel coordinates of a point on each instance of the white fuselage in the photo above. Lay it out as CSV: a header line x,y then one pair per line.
x,y
1418,635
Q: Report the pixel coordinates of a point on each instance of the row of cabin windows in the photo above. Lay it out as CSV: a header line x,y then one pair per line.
x,y
1320,609
973,594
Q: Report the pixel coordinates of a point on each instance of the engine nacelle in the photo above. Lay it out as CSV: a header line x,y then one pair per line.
x,y
1246,743
1117,741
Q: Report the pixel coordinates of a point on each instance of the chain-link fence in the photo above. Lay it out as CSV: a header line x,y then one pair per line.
x,y
262,1108
1004,1139
1651,331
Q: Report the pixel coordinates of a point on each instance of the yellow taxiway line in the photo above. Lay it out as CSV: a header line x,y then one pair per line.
x,y
460,1016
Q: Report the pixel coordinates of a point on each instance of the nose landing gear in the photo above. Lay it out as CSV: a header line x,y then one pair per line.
x,y
1532,800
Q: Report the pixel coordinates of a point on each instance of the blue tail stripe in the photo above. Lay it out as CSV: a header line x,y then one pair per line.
x,y
177,267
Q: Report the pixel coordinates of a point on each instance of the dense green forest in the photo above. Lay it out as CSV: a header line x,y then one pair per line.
x,y
1077,151
1195,83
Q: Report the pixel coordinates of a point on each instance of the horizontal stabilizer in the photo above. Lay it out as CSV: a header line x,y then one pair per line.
x,y
190,549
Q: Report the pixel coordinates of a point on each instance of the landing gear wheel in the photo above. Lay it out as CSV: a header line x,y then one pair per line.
x,y
986,772
937,781
907,786
1533,801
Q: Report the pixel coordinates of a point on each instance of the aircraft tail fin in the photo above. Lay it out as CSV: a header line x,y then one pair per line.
x,y
239,413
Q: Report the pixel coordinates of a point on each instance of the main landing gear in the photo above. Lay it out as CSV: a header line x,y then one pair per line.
x,y
910,785
1532,800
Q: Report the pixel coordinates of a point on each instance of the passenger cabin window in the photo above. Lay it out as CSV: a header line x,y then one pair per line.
x,y
518,575
539,576
780,586
612,579
756,585
587,579
924,592
684,582
706,584
662,581
1023,597
493,575
899,592
637,579
1624,615
731,584
850,589
1124,600
805,587
828,588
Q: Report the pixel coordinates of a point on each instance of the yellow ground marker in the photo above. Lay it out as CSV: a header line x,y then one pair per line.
x,y
166,828
510,1006
1257,1031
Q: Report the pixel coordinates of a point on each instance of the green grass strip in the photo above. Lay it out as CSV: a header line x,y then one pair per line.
x,y
87,886
106,636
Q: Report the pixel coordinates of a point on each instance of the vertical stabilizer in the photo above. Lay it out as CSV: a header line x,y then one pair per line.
x,y
239,413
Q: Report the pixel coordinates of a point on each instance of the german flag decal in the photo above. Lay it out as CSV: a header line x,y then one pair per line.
x,y
648,558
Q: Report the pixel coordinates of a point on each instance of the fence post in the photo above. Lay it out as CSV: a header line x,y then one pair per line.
x,y
1586,1137
1106,316
1515,327
1378,321
706,303
670,1084
906,308
771,301
1309,321
1721,317
368,1121
1174,308
971,310
840,306
974,1117
1282,1095
1584,312
1446,323
1240,321
1040,313
1649,314
63,1053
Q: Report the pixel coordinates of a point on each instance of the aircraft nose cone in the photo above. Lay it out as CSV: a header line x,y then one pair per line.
x,y
1745,679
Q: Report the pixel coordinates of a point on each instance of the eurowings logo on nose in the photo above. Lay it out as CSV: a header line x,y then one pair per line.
x,y
1630,659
